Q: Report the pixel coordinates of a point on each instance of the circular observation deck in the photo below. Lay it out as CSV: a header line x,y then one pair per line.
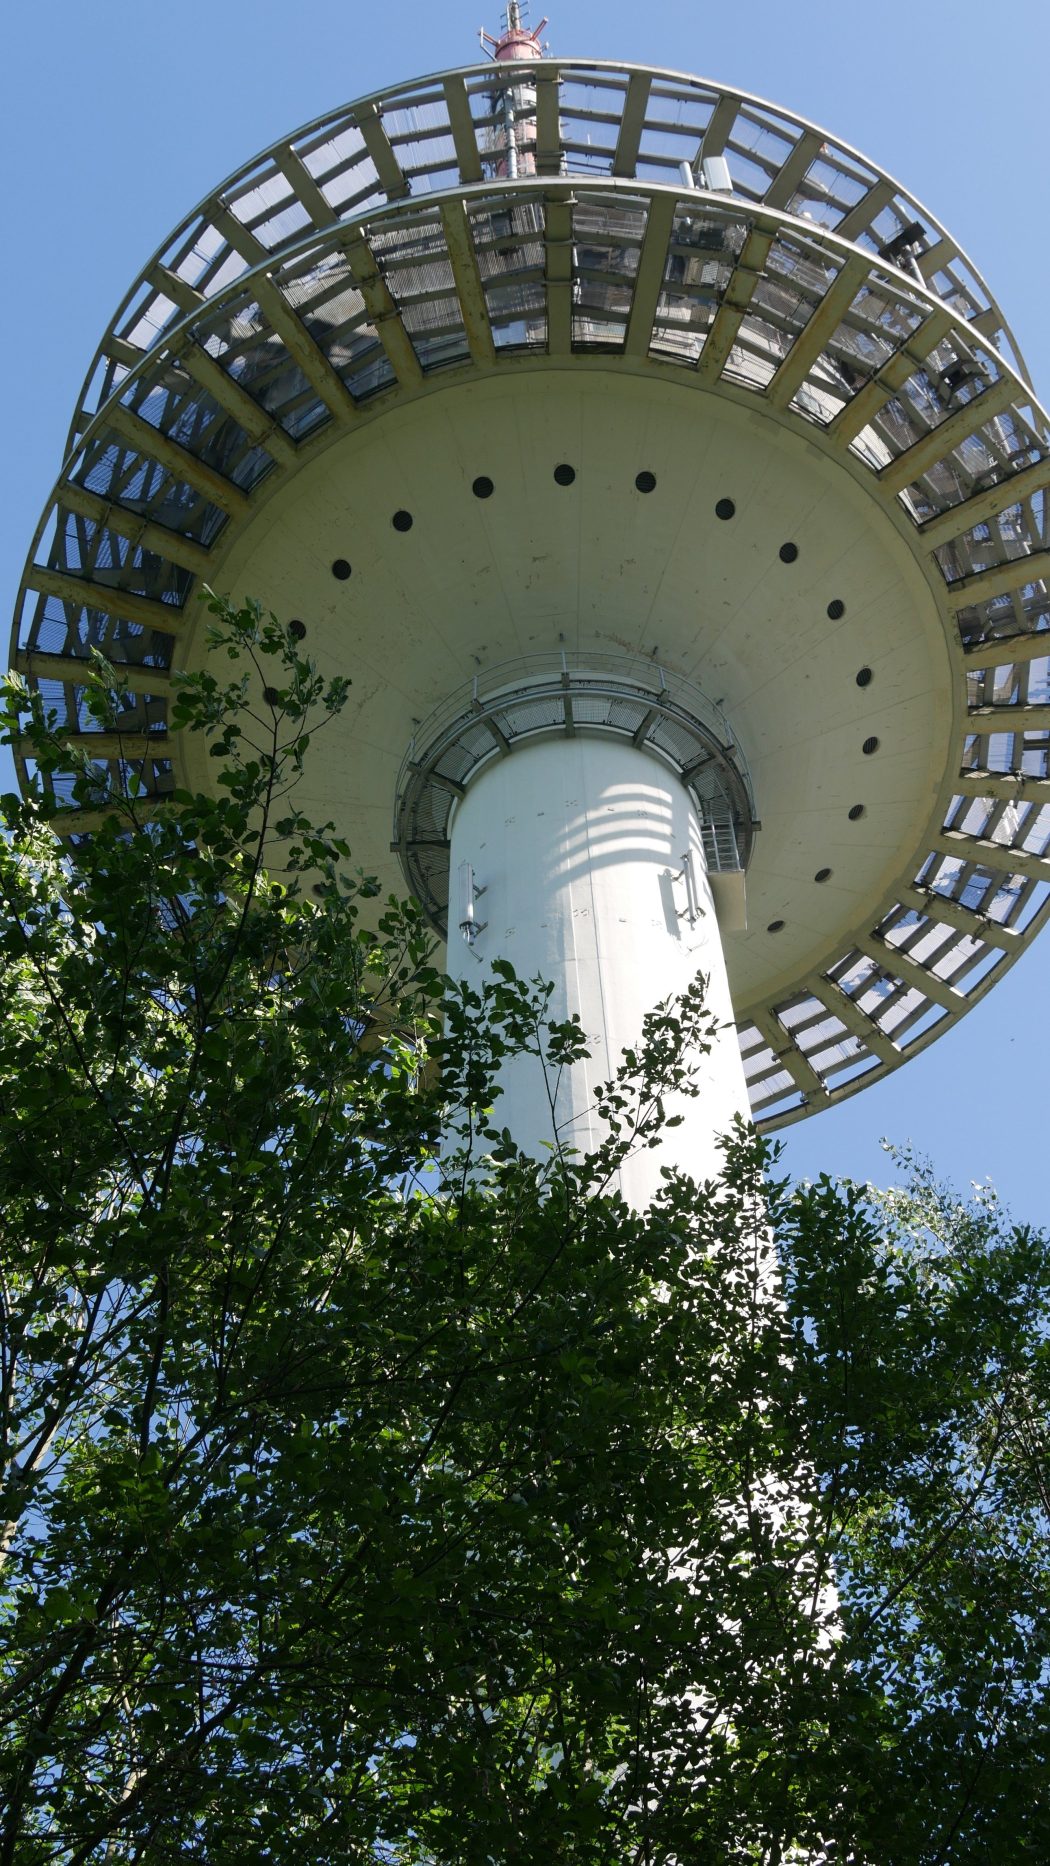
x,y
686,381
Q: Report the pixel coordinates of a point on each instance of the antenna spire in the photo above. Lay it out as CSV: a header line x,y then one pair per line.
x,y
515,41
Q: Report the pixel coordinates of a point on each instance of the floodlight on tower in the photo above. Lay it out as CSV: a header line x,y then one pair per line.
x,y
670,483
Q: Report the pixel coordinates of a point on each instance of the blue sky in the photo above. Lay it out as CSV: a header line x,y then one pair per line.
x,y
120,114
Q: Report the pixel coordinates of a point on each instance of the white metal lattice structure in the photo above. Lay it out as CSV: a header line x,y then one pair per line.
x,y
784,331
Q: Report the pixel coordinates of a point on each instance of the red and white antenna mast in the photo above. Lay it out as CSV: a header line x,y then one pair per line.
x,y
515,41
514,103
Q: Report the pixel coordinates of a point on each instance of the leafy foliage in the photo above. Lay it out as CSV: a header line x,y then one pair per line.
x,y
376,1494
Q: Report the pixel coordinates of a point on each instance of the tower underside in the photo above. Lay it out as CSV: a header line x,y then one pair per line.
x,y
693,386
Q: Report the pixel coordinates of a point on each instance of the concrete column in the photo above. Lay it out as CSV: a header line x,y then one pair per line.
x,y
577,842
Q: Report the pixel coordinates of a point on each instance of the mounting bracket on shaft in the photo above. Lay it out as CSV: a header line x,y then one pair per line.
x,y
692,909
469,894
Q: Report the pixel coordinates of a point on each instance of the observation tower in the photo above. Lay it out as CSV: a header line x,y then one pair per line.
x,y
669,484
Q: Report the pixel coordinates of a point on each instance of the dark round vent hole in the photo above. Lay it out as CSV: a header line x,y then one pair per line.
x,y
856,812
402,521
297,629
836,609
864,677
725,509
482,487
271,696
646,482
869,746
775,926
822,874
564,475
341,569
788,553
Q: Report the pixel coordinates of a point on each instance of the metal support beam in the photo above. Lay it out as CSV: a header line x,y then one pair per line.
x,y
559,276
179,290
949,434
470,291
989,325
77,671
304,187
500,737
917,977
259,426
998,579
652,264
236,234
981,506
862,408
693,770
1009,650
953,914
88,822
303,350
178,460
813,338
1008,786
392,178
641,733
733,309
632,123
788,1054
786,182
985,719
548,127
860,411
936,258
856,1021
866,210
123,745
84,593
383,311
648,284
443,783
119,350
138,530
720,128
461,123
996,855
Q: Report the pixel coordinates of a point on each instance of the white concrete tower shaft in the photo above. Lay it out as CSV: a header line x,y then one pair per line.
x,y
591,858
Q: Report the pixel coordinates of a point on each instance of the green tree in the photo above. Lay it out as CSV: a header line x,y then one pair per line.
x,y
374,1493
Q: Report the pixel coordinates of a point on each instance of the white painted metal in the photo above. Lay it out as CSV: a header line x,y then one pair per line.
x,y
579,844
